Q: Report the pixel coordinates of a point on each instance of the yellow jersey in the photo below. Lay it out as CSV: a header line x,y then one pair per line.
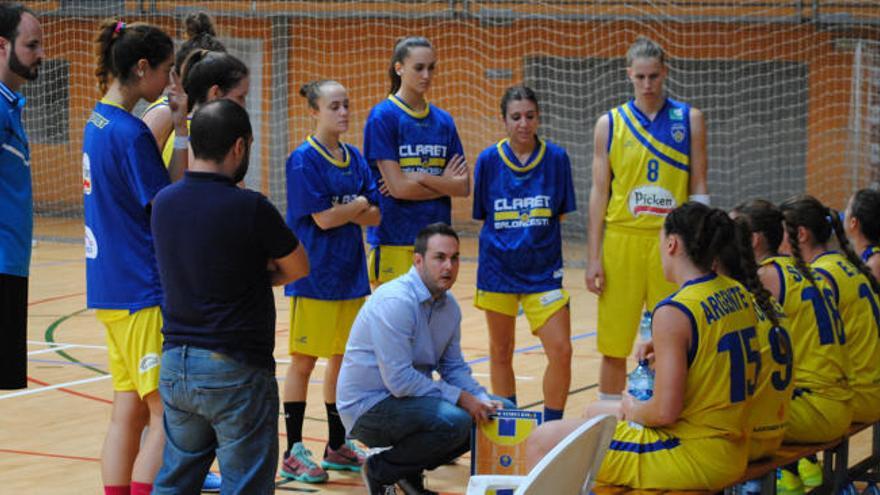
x,y
816,330
858,305
650,164
770,406
168,149
723,358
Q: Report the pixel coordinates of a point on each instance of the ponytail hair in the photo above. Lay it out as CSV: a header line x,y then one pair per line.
x,y
311,91
120,46
204,69
705,231
200,34
763,217
807,212
401,51
738,261
848,251
865,207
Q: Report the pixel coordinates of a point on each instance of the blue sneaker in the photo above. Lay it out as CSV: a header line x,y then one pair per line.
x,y
211,483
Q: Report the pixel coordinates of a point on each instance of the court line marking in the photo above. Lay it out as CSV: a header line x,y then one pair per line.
x,y
532,347
65,345
51,349
486,375
46,454
55,298
53,387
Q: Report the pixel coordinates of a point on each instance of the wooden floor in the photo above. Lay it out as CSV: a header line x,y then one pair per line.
x,y
51,433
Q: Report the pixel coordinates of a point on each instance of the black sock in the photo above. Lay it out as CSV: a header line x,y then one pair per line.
x,y
812,458
335,428
294,412
792,468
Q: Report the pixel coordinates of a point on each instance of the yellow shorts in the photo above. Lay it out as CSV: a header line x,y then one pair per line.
x,y
815,419
134,346
633,281
385,263
865,404
652,459
538,307
320,328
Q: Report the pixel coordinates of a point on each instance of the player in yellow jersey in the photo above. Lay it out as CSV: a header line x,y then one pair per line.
x,y
649,156
852,296
770,405
200,35
862,225
821,393
691,434
855,291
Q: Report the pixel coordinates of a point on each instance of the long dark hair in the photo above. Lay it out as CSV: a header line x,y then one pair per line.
x,y
204,69
821,221
865,208
119,46
401,51
764,218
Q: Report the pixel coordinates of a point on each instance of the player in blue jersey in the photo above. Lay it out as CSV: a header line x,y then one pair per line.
x,y
200,34
414,150
122,172
330,195
862,225
522,187
21,53
649,156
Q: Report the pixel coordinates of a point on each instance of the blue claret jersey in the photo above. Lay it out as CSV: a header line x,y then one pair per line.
x,y
316,181
122,172
419,142
520,205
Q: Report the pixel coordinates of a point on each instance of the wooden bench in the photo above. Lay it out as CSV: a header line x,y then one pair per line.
x,y
835,459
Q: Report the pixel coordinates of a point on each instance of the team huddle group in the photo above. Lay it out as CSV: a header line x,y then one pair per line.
x,y
765,323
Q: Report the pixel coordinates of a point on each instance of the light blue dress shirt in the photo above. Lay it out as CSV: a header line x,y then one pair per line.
x,y
399,338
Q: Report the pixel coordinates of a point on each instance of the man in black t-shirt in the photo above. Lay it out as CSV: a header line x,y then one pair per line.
x,y
220,249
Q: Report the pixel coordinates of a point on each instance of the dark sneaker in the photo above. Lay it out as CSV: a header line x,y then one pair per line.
x,y
414,485
373,486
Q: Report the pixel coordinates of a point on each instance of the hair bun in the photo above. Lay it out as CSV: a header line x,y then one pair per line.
x,y
198,24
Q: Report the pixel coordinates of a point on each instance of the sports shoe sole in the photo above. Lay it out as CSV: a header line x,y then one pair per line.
x,y
304,477
340,467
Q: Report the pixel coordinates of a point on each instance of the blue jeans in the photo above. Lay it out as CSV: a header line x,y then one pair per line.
x,y
423,433
215,403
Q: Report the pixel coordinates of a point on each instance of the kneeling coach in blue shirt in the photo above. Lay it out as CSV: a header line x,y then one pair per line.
x,y
220,249
386,395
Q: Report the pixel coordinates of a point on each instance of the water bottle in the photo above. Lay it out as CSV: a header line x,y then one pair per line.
x,y
641,381
645,326
641,384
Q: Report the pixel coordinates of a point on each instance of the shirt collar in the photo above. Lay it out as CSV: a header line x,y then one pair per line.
x,y
11,96
422,292
207,176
